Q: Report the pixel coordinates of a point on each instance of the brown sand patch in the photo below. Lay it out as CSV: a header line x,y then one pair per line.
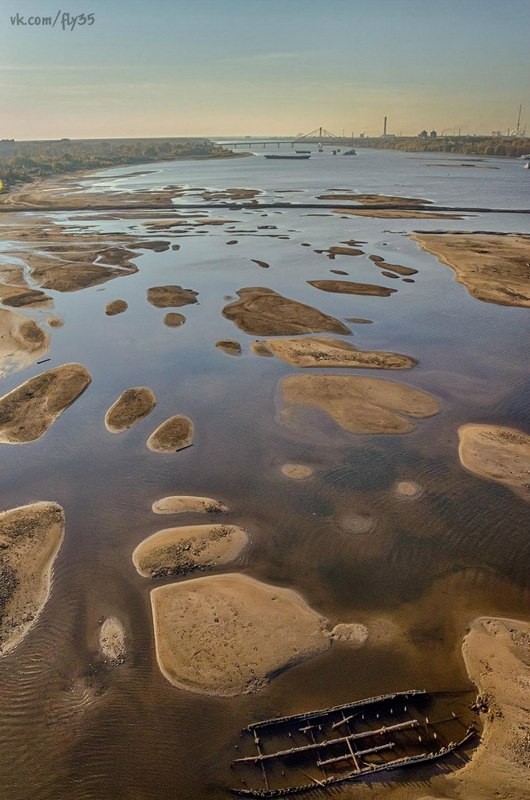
x,y
178,551
356,523
396,213
349,287
174,320
261,349
408,490
262,264
116,307
498,454
298,472
130,407
180,504
23,296
231,194
497,656
55,322
376,199
338,250
229,634
22,342
326,352
350,632
382,264
229,346
360,405
265,312
112,641
28,411
176,433
171,296
493,267
30,538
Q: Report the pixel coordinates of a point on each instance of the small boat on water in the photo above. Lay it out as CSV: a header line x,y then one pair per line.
x,y
320,749
303,151
350,152
284,157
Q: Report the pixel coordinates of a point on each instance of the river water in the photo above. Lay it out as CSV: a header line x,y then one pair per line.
x,y
74,729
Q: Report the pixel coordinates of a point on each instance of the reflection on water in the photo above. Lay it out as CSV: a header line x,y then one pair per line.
x,y
414,570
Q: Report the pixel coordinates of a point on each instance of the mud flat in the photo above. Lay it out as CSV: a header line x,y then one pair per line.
x,y
28,411
180,504
229,634
171,296
359,405
350,287
176,433
22,342
498,454
112,640
497,656
327,352
30,538
264,312
493,267
116,307
130,407
178,551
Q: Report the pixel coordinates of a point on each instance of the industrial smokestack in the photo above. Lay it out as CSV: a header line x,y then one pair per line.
x,y
384,128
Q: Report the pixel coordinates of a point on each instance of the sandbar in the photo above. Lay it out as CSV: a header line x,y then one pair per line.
x,y
23,296
326,352
229,634
399,268
376,199
22,342
493,267
181,503
176,433
351,632
28,411
171,296
130,407
174,320
178,551
30,538
359,405
264,312
229,346
116,307
350,287
497,453
396,213
112,641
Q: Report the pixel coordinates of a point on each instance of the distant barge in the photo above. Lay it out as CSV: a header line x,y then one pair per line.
x,y
320,749
299,157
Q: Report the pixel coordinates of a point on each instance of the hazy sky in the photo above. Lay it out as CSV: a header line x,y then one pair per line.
x,y
223,67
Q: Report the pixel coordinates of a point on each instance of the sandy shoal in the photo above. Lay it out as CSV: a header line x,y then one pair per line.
x,y
497,453
298,472
350,287
130,407
493,267
178,551
22,342
174,320
229,634
375,199
171,296
176,433
358,404
229,346
179,504
30,538
396,213
28,411
116,307
326,352
112,640
380,262
264,312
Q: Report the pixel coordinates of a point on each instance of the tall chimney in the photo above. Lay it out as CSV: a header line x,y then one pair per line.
x,y
384,128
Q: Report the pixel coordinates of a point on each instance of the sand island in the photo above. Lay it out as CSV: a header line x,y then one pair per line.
x,y
22,341
130,407
326,352
180,504
497,453
176,433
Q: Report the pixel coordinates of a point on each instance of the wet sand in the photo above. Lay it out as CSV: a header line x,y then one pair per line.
x,y
180,504
176,433
359,405
327,352
493,267
350,287
264,312
498,454
22,342
130,407
30,538
179,551
28,411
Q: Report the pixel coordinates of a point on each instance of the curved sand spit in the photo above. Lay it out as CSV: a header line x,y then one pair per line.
x,y
228,634
493,267
360,405
130,407
30,538
179,504
349,287
112,641
22,342
171,296
28,411
264,312
498,454
326,352
177,551
176,433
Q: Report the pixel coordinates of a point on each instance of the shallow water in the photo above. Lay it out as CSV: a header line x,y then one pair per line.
x,y
72,728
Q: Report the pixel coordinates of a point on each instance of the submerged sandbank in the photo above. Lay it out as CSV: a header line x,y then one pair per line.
x,y
112,641
179,504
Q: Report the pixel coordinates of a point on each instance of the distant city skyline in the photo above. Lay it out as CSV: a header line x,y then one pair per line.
x,y
263,67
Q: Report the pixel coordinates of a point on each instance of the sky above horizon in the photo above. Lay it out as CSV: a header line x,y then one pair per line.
x,y
252,67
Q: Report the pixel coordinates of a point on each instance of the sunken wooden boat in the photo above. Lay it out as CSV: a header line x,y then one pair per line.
x,y
320,749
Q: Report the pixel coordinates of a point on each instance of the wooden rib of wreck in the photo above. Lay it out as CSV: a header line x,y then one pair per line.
x,y
346,743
